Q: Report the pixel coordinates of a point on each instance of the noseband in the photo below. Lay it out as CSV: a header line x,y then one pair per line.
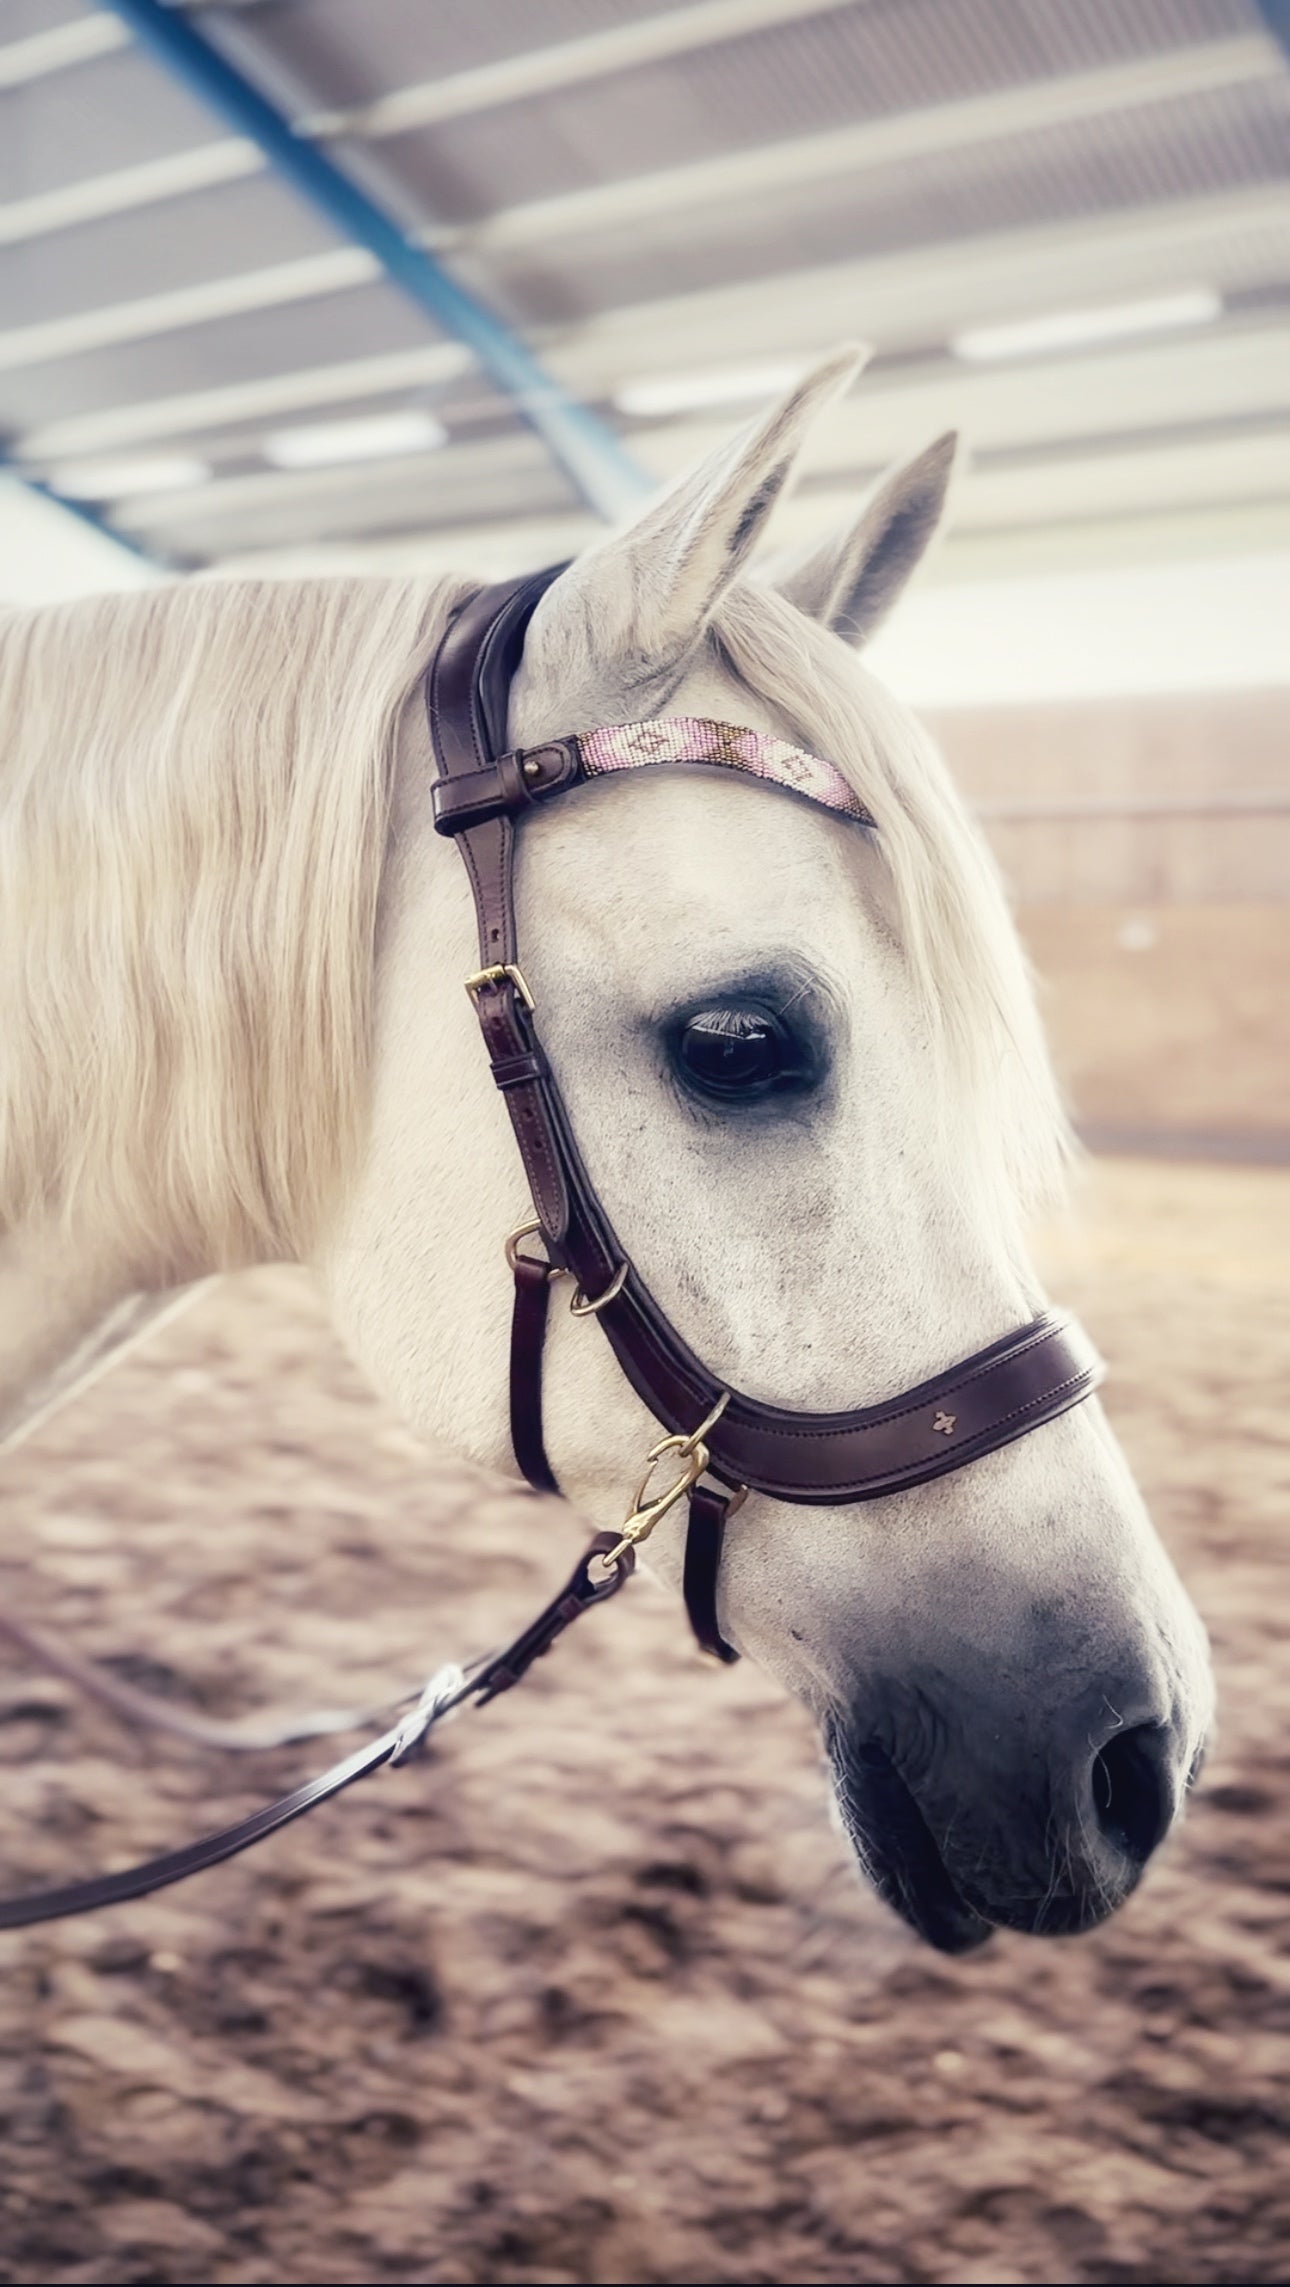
x,y
986,1401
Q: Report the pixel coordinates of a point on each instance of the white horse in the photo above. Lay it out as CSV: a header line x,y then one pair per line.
x,y
232,1029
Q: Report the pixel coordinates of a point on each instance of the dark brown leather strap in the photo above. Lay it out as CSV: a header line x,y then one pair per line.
x,y
467,691
521,1071
528,1338
704,1540
589,1584
475,801
985,1402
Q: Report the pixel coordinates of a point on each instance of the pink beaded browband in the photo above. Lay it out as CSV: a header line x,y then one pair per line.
x,y
690,738
507,786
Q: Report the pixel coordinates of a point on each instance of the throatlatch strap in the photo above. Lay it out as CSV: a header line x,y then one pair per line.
x,y
705,1534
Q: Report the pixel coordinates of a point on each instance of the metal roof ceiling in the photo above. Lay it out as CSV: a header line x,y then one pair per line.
x,y
661,192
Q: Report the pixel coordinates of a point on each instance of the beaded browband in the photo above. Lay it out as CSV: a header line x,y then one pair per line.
x,y
505,785
692,738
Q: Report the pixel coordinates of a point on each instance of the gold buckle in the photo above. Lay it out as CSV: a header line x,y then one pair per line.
x,y
497,975
644,1515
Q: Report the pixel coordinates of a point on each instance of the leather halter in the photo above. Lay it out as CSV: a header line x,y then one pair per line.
x,y
988,1400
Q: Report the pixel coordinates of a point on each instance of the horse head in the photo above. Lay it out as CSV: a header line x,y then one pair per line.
x,y
801,1057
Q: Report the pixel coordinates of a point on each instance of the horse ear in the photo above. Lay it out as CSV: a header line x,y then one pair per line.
x,y
851,583
657,583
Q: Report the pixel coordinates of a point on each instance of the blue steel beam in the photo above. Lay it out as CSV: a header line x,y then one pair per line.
x,y
586,448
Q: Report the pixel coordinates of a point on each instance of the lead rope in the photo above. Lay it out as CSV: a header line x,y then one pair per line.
x,y
247,1735
604,1567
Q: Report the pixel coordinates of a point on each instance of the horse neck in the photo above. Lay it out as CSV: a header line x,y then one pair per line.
x,y
186,1037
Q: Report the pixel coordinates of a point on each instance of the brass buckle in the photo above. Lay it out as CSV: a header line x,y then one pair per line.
x,y
644,1515
499,973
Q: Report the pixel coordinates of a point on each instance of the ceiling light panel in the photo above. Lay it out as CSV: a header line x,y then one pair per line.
x,y
125,479
1080,329
374,437
655,396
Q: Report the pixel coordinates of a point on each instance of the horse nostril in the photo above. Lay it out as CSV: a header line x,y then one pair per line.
x,y
1132,1797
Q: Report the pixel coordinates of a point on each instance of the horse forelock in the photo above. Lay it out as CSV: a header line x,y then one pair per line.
x,y
1001,1101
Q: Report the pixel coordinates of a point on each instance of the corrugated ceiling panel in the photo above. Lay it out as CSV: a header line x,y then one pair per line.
x,y
287,339
510,477
912,303
1134,158
351,55
91,120
1062,30
183,242
867,60
1035,39
801,79
23,19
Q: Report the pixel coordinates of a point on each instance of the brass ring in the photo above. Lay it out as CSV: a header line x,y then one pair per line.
x,y
710,1420
581,1308
532,1230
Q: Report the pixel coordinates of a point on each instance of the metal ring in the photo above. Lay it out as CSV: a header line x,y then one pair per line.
x,y
531,1230
710,1420
581,1308
514,1241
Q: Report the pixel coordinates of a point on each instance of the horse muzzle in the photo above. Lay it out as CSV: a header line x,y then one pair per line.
x,y
1024,1819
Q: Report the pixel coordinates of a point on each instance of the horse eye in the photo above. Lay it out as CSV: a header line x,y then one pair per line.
x,y
734,1053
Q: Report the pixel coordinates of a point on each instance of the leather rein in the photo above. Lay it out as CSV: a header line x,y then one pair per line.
x,y
717,1445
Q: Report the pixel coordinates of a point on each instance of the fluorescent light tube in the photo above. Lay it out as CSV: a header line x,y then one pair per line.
x,y
1076,329
370,437
694,392
122,479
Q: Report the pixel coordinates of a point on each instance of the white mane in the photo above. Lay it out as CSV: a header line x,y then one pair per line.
x,y
193,807
193,802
